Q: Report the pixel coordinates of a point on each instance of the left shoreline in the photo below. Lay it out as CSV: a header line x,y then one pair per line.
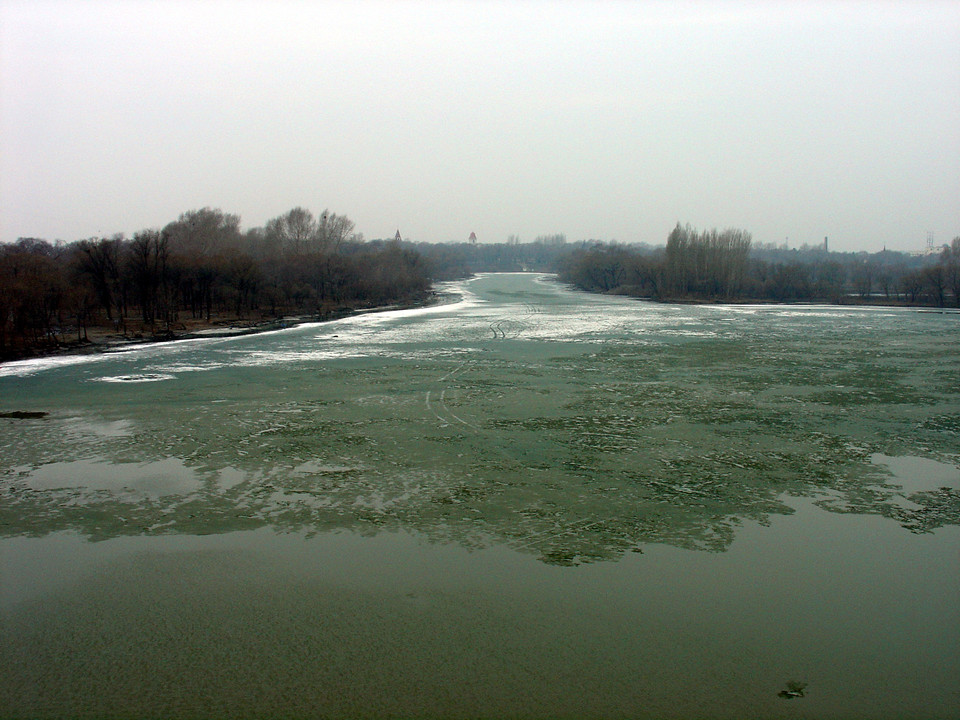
x,y
106,341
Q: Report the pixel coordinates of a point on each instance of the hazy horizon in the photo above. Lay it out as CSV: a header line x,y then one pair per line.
x,y
600,120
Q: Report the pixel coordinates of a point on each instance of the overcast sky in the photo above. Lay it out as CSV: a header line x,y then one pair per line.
x,y
607,120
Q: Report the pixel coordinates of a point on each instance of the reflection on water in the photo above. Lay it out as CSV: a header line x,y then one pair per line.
x,y
916,474
265,624
132,481
496,507
570,426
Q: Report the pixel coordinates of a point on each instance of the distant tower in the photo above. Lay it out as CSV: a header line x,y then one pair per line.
x,y
473,238
397,236
826,244
929,242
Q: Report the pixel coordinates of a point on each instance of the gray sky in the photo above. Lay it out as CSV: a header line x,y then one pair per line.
x,y
608,120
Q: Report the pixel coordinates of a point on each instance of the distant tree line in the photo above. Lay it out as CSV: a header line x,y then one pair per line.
x,y
449,261
199,267
723,265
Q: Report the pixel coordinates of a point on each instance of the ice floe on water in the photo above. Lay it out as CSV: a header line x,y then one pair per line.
x,y
21,368
521,411
138,378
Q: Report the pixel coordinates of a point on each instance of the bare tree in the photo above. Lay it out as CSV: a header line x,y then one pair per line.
x,y
100,260
951,261
294,232
333,230
934,279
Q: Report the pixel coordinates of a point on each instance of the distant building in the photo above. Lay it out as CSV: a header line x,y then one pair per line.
x,y
931,249
473,238
397,236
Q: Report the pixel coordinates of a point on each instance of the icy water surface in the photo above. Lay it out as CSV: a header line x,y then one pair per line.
x,y
528,502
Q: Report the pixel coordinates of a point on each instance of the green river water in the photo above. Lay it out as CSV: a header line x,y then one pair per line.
x,y
526,502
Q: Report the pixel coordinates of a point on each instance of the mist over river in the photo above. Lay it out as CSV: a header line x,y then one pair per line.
x,y
526,502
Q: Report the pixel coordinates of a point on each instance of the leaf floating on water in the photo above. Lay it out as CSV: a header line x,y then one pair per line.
x,y
794,690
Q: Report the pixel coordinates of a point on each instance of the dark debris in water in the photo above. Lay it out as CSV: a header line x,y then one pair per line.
x,y
561,557
793,690
24,415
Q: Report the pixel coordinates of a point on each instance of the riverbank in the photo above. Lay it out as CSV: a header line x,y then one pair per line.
x,y
100,339
847,300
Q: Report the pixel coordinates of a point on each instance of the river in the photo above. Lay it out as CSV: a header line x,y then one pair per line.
x,y
525,502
